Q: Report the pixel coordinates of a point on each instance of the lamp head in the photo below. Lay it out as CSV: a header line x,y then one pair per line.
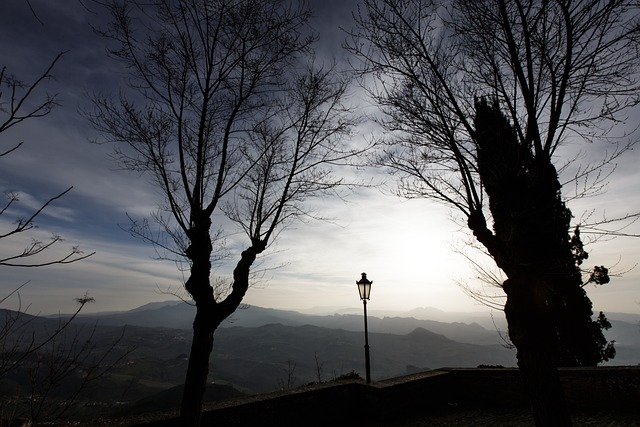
x,y
364,287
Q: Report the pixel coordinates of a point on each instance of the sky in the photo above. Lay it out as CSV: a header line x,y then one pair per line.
x,y
410,249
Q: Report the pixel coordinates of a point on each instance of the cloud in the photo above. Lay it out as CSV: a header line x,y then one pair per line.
x,y
404,246
26,205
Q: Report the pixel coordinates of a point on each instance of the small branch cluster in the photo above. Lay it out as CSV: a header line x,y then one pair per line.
x,y
18,103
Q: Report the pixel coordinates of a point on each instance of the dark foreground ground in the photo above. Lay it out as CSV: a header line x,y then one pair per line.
x,y
518,418
476,418
602,397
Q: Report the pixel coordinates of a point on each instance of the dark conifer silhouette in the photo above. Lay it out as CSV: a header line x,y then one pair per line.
x,y
480,96
548,311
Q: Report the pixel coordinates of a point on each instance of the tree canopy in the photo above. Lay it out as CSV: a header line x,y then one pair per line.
x,y
228,112
478,99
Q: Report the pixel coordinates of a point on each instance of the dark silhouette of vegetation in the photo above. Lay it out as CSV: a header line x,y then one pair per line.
x,y
290,379
351,375
548,311
20,102
319,368
52,367
17,343
51,357
480,96
531,227
230,115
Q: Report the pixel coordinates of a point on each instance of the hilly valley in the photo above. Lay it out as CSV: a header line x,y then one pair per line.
x,y
260,350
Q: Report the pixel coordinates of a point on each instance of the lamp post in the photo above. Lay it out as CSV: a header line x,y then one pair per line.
x,y
364,288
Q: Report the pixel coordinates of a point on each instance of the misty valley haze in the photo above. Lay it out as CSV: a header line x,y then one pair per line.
x,y
261,350
256,344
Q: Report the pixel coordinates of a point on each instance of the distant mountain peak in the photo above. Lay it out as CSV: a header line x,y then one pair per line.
x,y
156,305
421,333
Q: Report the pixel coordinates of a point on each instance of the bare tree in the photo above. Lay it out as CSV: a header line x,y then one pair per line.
x,y
53,363
480,97
319,368
227,117
290,379
17,343
19,102
20,341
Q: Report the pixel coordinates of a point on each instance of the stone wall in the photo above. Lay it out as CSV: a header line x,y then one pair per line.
x,y
354,403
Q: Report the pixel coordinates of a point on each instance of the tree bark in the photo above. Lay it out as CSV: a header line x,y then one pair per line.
x,y
199,287
532,328
209,314
533,333
542,382
197,371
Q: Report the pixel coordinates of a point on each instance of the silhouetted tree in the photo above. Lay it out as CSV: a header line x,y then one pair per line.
x,y
51,366
20,102
228,116
480,95
290,378
16,344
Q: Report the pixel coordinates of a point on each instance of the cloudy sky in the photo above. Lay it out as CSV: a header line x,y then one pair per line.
x,y
408,248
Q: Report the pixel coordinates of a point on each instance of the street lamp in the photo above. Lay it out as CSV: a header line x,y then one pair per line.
x,y
364,289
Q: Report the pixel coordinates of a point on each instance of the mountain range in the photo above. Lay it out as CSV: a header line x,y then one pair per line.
x,y
179,315
260,349
481,328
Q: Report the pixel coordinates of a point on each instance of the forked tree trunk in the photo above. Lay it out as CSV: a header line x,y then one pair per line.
x,y
209,315
199,287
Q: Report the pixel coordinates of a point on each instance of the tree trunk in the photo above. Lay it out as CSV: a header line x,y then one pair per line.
x,y
199,287
532,331
542,382
209,315
197,371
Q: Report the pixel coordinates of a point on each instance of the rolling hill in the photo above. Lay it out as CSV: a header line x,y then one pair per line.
x,y
260,350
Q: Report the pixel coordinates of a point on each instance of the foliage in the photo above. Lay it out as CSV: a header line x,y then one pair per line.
x,y
353,375
479,98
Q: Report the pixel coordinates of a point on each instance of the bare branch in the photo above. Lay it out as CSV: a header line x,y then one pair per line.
x,y
228,118
33,347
